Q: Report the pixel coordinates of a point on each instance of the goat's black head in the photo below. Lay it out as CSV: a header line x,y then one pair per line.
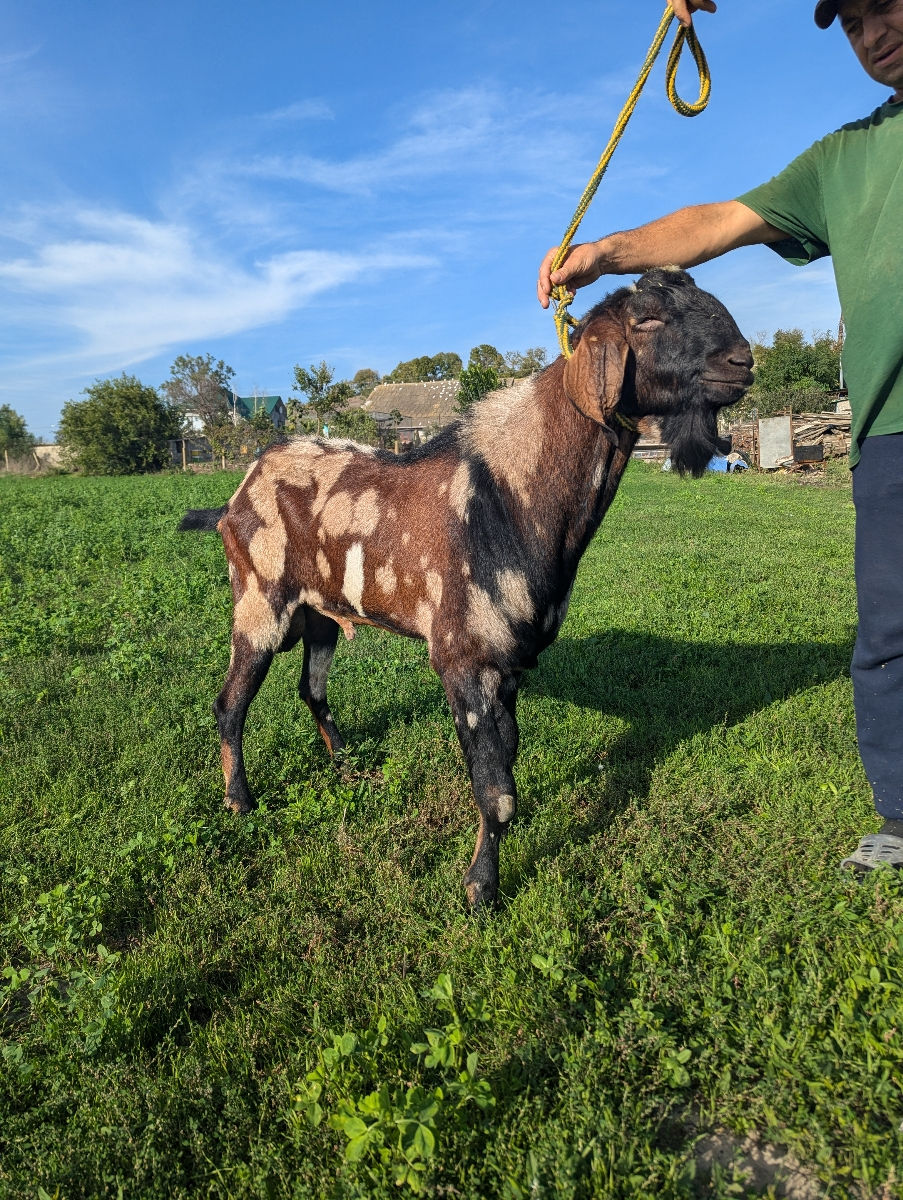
x,y
661,348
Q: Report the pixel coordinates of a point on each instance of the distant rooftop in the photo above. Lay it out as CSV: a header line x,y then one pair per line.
x,y
423,404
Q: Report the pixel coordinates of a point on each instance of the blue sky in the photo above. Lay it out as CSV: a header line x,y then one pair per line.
x,y
362,183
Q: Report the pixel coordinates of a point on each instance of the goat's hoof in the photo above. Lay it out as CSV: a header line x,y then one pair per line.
x,y
231,804
482,897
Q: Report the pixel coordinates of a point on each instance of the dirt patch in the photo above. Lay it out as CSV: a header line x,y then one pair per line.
x,y
757,1166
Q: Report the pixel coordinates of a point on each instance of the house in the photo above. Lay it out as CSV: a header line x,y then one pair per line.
x,y
244,407
424,407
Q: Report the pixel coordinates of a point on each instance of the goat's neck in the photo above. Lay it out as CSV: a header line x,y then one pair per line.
x,y
561,468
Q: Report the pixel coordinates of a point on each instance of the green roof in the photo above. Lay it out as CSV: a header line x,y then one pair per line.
x,y
248,405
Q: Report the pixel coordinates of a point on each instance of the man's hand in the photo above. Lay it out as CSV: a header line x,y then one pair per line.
x,y
684,9
582,265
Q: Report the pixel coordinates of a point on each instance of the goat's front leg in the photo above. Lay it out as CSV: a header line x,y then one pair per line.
x,y
484,707
247,671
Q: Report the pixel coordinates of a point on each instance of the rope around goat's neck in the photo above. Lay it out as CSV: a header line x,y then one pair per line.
x,y
560,293
627,423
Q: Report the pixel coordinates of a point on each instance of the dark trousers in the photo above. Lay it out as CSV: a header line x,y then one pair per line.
x,y
878,657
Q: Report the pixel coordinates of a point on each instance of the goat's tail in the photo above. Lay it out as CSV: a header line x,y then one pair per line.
x,y
201,520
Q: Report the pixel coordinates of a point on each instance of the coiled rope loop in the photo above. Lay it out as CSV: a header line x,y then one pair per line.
x,y
562,296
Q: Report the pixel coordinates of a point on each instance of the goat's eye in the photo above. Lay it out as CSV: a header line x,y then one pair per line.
x,y
650,325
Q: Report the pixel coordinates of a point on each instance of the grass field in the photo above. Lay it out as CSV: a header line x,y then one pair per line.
x,y
297,1003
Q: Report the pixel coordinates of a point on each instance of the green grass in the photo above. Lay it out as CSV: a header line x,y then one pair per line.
x,y
297,1004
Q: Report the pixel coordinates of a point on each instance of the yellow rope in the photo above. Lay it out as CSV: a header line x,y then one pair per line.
x,y
560,294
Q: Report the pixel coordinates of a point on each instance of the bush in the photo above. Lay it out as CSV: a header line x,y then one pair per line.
x,y
123,427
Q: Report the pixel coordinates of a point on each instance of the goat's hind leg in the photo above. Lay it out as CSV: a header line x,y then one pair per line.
x,y
320,636
247,671
484,712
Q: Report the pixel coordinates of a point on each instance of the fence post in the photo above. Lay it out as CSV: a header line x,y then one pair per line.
x,y
184,455
6,458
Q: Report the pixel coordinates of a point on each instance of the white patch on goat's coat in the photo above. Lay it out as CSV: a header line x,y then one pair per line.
x,y
424,561
349,444
366,513
472,720
325,474
405,538
297,450
336,515
253,469
386,579
507,430
599,474
490,679
267,550
323,565
392,512
267,546
255,618
434,587
486,622
442,489
353,583
504,808
461,491
342,515
515,594
465,569
423,619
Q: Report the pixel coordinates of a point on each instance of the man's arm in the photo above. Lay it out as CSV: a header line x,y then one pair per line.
x,y
683,239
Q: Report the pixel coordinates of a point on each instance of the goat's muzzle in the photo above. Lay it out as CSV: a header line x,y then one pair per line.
x,y
728,375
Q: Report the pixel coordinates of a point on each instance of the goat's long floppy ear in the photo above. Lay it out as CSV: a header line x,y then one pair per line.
x,y
594,374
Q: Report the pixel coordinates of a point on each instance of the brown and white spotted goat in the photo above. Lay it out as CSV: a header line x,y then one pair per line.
x,y
471,541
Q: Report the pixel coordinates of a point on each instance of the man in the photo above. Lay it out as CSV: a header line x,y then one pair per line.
x,y
843,197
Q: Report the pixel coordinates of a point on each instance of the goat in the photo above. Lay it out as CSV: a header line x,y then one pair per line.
x,y
472,540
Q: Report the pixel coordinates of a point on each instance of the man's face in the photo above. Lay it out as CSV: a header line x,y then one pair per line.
x,y
875,31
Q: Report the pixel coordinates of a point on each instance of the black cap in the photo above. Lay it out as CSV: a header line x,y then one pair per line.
x,y
825,12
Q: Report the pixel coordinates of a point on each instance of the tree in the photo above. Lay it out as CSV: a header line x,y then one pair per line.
x,y
528,363
122,427
427,368
14,436
356,424
487,356
792,373
200,385
792,362
235,438
475,382
446,366
364,381
323,396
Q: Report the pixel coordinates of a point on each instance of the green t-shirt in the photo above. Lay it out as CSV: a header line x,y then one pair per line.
x,y
844,197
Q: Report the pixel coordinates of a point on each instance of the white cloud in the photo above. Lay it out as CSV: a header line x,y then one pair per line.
x,y
13,57
301,110
469,133
119,288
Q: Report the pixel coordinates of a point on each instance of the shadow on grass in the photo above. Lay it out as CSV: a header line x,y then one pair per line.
x,y
667,691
